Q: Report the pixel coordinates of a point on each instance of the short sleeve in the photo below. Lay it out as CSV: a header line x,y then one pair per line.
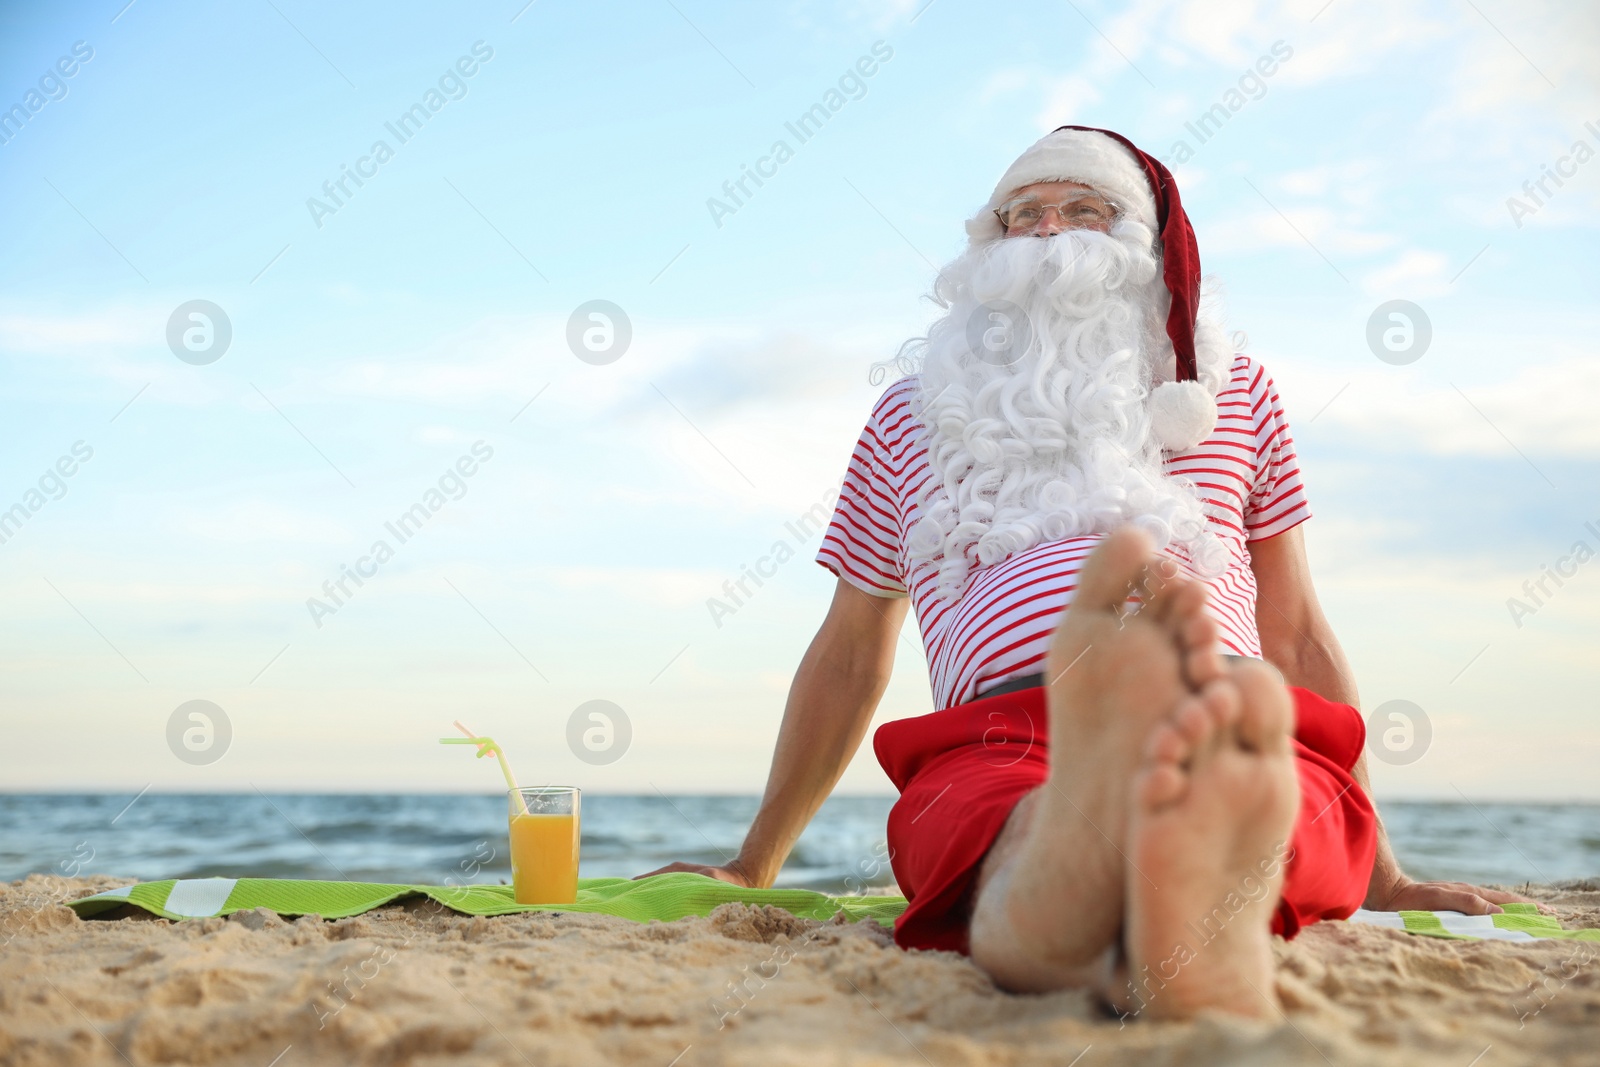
x,y
1278,500
862,543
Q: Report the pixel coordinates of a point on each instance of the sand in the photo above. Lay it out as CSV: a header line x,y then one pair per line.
x,y
414,984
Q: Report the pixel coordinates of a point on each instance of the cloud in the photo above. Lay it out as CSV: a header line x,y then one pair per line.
x,y
488,361
246,521
1066,99
1005,82
1348,41
879,14
1504,78
726,373
40,333
1508,51
663,587
1281,224
711,368
1191,35
1415,274
1544,410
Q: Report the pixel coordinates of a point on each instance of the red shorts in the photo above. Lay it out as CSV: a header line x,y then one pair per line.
x,y
960,772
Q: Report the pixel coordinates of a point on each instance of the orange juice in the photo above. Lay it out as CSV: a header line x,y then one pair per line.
x,y
544,858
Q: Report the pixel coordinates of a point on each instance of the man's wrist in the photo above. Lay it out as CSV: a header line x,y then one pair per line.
x,y
760,873
1383,891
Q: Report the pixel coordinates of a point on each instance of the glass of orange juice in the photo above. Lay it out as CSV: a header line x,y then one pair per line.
x,y
544,844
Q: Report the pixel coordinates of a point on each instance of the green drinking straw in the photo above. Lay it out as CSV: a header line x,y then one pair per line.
x,y
486,746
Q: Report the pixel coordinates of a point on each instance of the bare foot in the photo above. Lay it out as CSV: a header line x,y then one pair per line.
x,y
1213,809
1050,900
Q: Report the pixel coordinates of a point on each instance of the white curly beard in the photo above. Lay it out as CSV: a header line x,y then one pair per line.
x,y
1056,443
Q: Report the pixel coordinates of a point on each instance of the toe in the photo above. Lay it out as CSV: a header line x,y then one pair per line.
x,y
1112,570
1266,716
1220,698
1159,785
1193,722
1176,601
1168,744
1202,658
1169,593
1109,576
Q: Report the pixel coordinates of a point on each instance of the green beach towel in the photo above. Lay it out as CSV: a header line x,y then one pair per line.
x,y
664,897
1518,922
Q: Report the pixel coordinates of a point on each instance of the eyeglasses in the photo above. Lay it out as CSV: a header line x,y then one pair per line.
x,y
1081,212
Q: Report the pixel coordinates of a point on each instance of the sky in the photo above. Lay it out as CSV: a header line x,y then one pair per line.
x,y
194,479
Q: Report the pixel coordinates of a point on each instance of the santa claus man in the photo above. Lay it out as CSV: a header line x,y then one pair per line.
x,y
1146,759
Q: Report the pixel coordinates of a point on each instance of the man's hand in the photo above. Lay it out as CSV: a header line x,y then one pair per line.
x,y
836,689
1450,896
732,872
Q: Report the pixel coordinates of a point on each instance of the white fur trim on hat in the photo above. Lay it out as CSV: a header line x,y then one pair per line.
x,y
1182,414
1083,156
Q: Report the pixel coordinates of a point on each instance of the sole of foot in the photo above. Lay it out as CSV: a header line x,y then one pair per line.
x,y
1113,675
1213,807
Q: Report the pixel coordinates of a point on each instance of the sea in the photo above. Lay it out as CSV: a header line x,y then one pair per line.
x,y
444,839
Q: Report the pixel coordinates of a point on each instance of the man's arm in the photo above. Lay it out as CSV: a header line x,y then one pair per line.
x,y
1296,639
1295,635
835,691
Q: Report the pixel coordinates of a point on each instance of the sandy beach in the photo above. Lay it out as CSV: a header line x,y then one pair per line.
x,y
415,984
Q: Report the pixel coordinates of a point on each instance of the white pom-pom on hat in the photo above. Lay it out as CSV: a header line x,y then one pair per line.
x,y
1182,414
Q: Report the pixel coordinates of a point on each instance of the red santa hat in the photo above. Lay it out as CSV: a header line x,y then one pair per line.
x,y
1183,412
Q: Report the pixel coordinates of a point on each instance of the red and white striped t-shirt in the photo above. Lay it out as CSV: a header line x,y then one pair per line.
x,y
1001,627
